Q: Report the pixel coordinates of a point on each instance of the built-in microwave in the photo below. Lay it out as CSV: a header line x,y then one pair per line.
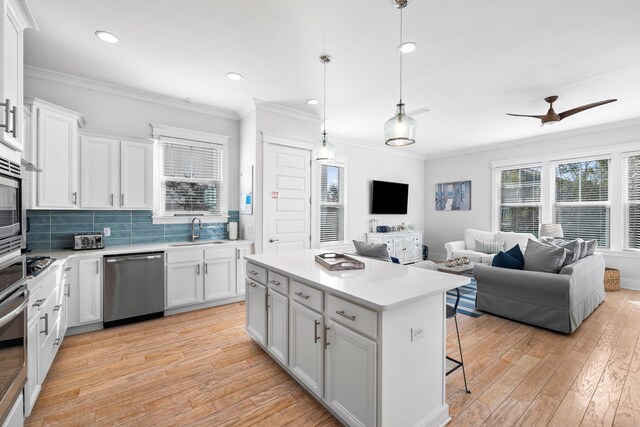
x,y
10,200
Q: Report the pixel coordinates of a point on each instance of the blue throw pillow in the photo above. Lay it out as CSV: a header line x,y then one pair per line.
x,y
504,260
516,253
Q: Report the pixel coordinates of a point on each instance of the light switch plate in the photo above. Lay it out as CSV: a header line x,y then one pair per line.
x,y
106,231
417,332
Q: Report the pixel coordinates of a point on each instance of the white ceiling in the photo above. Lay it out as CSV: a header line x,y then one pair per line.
x,y
475,60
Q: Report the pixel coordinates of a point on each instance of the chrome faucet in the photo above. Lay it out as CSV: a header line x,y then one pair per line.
x,y
195,236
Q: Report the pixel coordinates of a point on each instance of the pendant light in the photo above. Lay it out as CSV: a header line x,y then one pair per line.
x,y
400,130
324,150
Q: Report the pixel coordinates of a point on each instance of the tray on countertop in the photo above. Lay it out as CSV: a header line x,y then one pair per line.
x,y
338,262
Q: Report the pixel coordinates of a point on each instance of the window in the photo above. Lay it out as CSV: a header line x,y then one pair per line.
x,y
582,200
332,203
191,178
519,200
631,201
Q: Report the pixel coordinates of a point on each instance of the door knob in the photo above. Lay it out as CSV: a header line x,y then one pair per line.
x,y
273,240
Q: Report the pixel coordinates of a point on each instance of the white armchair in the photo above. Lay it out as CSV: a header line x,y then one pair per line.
x,y
466,247
458,245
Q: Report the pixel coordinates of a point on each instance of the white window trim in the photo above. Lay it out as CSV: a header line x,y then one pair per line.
x,y
623,203
344,163
188,137
495,217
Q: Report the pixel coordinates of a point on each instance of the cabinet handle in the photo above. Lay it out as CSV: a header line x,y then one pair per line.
x,y
198,269
122,199
111,199
7,111
39,302
67,293
273,240
255,273
46,324
75,197
274,282
346,316
14,113
266,302
253,285
57,308
301,295
326,337
315,331
67,269
206,268
57,341
237,253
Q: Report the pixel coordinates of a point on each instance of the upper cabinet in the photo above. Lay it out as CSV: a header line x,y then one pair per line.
x,y
115,173
16,17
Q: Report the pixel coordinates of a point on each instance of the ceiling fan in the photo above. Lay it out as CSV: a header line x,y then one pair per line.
x,y
552,117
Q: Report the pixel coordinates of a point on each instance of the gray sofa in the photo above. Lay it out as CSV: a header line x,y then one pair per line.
x,y
554,301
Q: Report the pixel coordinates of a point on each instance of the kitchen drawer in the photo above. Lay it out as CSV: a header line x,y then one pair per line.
x,y
50,282
48,350
256,273
183,256
354,316
278,282
306,295
35,301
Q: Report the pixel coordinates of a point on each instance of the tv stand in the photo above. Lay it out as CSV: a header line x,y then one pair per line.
x,y
404,245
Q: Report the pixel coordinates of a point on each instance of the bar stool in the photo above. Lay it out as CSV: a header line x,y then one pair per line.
x,y
453,312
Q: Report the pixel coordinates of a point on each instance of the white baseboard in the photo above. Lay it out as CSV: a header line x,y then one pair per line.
x,y
630,283
437,257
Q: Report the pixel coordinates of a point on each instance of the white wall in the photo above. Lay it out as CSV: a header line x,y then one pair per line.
x,y
441,227
122,115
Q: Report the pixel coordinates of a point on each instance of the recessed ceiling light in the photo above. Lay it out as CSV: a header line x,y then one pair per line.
x,y
234,76
107,37
407,47
312,101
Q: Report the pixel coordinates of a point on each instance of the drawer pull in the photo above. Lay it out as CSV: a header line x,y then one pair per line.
x,y
255,273
67,287
301,295
57,307
67,269
326,337
346,316
253,285
46,324
39,302
274,282
315,331
57,341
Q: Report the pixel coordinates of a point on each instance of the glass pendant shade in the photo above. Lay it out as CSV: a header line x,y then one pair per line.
x,y
324,150
400,129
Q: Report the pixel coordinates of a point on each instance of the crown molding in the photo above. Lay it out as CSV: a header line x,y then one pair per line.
x,y
115,136
159,130
286,111
37,102
382,148
246,110
605,127
114,89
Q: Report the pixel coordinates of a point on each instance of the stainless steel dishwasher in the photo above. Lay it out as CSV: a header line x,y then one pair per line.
x,y
133,288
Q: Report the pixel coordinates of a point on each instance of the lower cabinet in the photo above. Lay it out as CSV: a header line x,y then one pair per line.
x,y
219,274
15,417
88,295
33,385
278,325
184,284
241,270
307,348
256,311
351,374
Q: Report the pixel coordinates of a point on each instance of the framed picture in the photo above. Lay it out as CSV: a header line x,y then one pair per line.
x,y
246,191
453,196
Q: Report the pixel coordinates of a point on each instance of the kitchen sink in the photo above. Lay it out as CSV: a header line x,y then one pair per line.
x,y
202,242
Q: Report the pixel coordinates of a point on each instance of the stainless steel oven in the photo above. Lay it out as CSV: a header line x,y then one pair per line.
x,y
14,298
10,201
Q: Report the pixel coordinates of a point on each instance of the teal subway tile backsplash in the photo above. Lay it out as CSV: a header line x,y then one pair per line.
x,y
55,229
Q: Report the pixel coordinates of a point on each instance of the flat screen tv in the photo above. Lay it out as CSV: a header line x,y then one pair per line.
x,y
389,198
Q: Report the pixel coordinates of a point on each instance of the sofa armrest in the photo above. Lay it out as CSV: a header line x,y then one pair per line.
x,y
586,276
458,245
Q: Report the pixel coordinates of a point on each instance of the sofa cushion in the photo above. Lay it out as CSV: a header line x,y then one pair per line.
x,y
504,260
372,250
592,245
516,253
511,239
583,248
573,246
489,247
471,234
543,257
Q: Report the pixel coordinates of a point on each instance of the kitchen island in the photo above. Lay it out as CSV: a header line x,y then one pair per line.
x,y
368,344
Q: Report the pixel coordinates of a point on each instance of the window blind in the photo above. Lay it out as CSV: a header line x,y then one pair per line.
x,y
631,201
582,200
331,204
192,178
519,200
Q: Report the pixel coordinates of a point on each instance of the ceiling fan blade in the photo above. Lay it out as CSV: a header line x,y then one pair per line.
x,y
573,111
525,115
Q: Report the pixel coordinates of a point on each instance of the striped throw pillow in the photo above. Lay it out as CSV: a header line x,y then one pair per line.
x,y
489,247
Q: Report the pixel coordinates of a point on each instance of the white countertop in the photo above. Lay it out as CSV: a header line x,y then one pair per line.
x,y
63,254
380,285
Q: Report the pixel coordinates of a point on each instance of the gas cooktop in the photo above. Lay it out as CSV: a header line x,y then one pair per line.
x,y
37,264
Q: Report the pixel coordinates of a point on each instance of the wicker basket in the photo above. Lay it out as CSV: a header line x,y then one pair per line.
x,y
611,279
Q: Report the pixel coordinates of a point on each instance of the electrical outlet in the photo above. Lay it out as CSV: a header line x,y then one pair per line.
x,y
106,231
417,332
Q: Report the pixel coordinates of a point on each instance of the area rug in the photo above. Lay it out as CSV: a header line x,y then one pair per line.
x,y
467,304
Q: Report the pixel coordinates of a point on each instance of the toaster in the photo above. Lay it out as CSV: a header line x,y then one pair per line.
x,y
83,241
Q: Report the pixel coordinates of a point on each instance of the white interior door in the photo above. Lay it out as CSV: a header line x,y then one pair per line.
x,y
287,173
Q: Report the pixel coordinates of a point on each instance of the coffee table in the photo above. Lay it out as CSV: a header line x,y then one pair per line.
x,y
458,269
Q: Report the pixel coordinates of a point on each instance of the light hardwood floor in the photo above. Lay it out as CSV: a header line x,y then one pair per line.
x,y
201,368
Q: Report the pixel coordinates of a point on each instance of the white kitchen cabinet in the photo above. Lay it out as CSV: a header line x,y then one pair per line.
x,y
70,288
257,311
241,270
33,385
16,17
184,283
88,297
351,375
56,153
306,349
278,325
219,273
136,175
99,173
15,417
